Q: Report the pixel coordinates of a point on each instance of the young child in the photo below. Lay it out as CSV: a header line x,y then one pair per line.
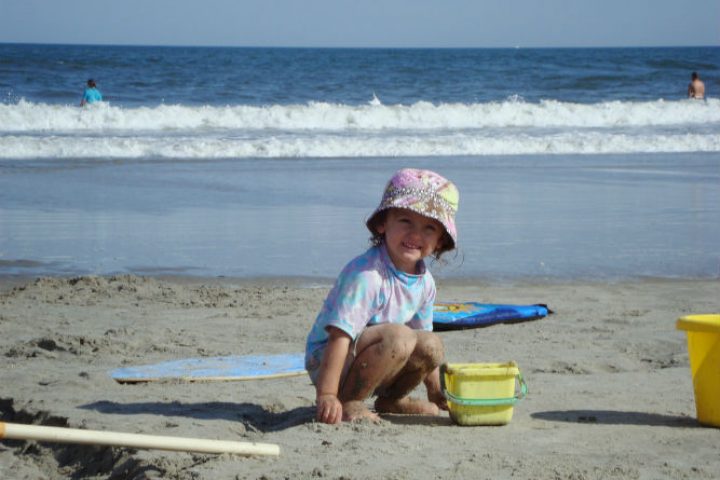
x,y
374,332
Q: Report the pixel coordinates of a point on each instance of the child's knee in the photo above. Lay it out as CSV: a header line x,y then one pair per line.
x,y
429,349
398,342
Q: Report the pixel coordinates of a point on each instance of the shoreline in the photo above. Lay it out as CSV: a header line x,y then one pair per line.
x,y
548,216
610,387
323,280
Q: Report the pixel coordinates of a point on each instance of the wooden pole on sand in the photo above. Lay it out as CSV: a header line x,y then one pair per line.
x,y
18,431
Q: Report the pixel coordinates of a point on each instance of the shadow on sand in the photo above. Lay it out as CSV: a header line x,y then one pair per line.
x,y
427,420
614,417
254,416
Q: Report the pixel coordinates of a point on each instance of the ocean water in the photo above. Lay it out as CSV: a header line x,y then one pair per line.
x,y
572,163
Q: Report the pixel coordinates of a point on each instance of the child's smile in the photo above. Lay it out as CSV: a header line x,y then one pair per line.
x,y
409,237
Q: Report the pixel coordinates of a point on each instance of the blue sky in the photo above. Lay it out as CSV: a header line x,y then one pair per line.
x,y
364,23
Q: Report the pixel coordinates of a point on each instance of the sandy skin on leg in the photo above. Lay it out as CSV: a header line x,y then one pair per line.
x,y
389,361
423,361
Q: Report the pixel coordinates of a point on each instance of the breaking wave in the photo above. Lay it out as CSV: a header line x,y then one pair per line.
x,y
37,130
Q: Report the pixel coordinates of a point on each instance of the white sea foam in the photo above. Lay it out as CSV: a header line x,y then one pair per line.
x,y
325,146
29,130
30,117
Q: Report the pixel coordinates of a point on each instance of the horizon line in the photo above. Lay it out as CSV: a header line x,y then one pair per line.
x,y
299,47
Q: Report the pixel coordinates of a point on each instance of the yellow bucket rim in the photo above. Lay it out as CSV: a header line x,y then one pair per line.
x,y
484,369
706,322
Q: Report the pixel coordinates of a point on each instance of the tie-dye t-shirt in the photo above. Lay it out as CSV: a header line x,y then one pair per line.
x,y
369,291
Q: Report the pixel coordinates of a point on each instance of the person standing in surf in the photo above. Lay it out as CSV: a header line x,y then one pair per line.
x,y
696,89
91,94
373,335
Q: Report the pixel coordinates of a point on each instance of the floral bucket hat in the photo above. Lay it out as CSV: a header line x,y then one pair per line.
x,y
424,192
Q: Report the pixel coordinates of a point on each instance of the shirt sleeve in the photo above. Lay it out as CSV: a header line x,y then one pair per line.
x,y
354,299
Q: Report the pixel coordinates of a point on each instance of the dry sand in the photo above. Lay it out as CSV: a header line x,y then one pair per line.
x,y
610,388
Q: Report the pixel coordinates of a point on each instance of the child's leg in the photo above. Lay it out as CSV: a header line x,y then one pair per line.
x,y
393,397
382,351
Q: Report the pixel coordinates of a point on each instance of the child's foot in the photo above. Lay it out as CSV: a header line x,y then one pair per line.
x,y
406,405
355,410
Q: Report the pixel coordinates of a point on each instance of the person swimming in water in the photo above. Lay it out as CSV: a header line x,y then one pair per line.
x,y
91,94
696,89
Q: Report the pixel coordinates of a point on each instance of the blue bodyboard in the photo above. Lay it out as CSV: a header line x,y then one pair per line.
x,y
458,316
209,369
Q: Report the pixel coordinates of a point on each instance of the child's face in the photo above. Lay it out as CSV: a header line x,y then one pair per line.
x,y
409,237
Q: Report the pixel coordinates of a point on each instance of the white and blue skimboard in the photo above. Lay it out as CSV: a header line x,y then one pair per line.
x,y
459,316
215,369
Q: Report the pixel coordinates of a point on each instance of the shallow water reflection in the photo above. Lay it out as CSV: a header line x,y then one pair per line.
x,y
531,216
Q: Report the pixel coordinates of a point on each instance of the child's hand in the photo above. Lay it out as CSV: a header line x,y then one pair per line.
x,y
434,390
438,399
329,409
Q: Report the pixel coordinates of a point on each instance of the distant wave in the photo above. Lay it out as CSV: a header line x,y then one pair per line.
x,y
31,117
29,130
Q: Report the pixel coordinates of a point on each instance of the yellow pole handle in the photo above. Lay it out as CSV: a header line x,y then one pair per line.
x,y
117,439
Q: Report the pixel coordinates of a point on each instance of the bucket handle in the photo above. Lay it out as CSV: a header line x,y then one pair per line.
x,y
483,401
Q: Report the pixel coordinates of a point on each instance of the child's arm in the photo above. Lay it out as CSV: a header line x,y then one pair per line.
x,y
329,408
434,391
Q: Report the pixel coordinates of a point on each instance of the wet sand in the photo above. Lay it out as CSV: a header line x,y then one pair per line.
x,y
610,387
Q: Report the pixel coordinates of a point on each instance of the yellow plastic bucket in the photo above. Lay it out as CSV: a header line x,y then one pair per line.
x,y
703,333
482,393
